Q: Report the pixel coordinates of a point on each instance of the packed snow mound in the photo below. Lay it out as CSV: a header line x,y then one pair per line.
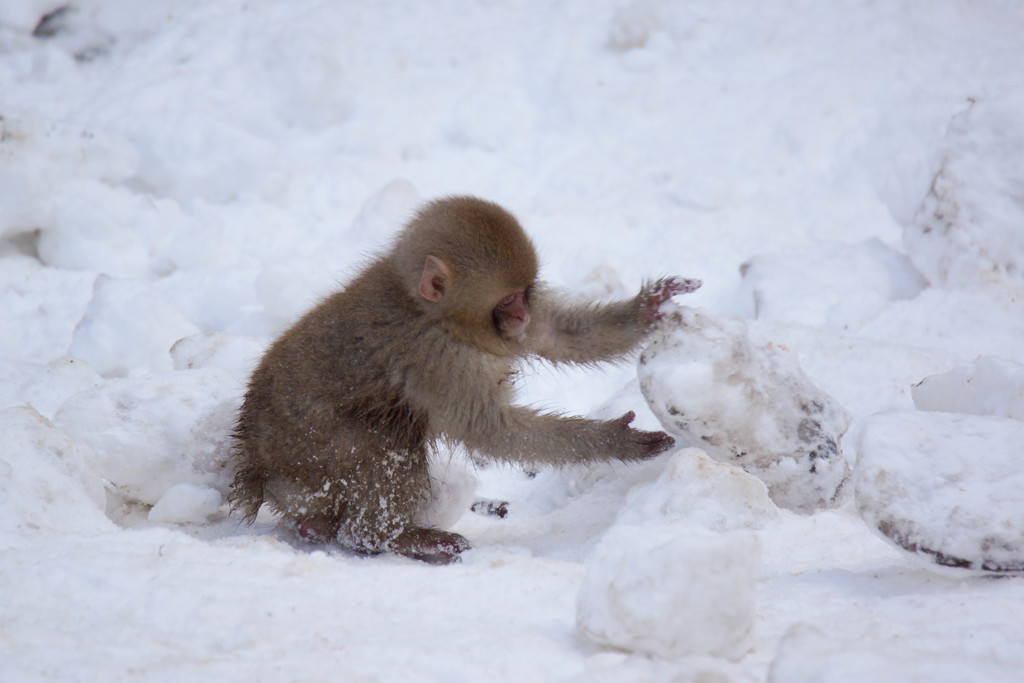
x,y
991,386
46,166
850,284
968,229
152,433
945,487
45,387
695,490
746,405
47,304
128,326
671,593
949,319
48,482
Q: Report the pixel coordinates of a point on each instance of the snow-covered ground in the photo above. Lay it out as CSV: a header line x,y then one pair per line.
x,y
180,179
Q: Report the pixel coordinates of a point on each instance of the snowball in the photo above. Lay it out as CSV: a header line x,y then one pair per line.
x,y
945,487
992,386
154,432
452,487
186,504
48,481
127,327
694,489
663,592
746,405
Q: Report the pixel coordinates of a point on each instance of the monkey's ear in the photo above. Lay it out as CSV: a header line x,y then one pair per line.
x,y
435,279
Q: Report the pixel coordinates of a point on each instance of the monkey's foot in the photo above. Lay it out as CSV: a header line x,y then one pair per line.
x,y
432,546
317,530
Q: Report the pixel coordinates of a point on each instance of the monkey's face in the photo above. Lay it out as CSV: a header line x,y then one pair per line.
x,y
469,263
511,315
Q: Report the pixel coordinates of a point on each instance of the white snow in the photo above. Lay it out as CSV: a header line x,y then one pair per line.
x,y
186,503
180,179
989,386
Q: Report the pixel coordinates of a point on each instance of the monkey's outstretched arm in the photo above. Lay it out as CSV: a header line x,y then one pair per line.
x,y
466,394
590,332
526,436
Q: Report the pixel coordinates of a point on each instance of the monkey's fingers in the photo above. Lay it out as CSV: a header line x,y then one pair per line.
x,y
624,420
654,442
650,443
663,290
687,285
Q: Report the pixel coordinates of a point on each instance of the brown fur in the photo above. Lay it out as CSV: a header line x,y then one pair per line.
x,y
340,415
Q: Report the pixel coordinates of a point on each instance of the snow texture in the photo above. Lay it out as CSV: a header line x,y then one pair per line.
x,y
968,227
179,180
989,386
807,655
947,487
747,405
186,504
153,432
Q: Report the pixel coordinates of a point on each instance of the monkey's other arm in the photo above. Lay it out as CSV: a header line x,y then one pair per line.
x,y
564,332
472,405
516,434
529,436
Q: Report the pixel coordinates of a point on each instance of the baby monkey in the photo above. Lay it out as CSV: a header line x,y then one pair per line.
x,y
344,408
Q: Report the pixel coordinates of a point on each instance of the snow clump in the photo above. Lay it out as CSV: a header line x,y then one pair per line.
x,y
945,487
746,405
658,591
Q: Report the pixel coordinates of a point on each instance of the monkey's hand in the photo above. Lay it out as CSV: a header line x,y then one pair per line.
x,y
640,445
654,295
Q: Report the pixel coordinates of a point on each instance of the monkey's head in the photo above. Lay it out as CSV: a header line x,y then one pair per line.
x,y
469,261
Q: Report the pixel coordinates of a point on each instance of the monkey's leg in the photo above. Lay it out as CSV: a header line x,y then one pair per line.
x,y
383,493
306,506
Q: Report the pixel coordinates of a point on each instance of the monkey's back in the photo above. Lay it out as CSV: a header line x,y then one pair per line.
x,y
326,396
